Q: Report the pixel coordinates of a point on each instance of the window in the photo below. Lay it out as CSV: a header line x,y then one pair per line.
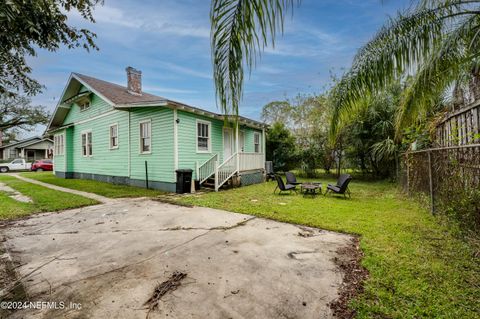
x,y
203,136
58,144
145,137
84,105
114,136
87,144
256,142
18,161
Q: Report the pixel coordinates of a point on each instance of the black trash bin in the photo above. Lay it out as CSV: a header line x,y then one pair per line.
x,y
184,180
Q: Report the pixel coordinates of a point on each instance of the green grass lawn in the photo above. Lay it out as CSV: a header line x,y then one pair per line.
x,y
418,268
44,199
99,188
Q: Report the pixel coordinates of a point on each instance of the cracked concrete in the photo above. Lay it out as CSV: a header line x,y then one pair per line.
x,y
110,257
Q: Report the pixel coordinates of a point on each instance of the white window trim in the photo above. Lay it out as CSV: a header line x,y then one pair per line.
x,y
81,142
198,121
110,136
84,109
56,146
140,136
259,143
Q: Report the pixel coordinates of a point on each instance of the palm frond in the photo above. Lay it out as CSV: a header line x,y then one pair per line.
x,y
384,150
400,48
240,31
445,65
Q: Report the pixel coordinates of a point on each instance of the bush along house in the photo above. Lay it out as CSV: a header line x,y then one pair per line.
x,y
107,132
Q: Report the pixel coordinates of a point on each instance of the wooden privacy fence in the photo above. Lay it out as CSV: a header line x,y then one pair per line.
x,y
442,174
461,127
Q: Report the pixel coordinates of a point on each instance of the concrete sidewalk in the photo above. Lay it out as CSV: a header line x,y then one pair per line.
x,y
99,198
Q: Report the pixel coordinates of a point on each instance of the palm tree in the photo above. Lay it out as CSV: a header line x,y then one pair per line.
x,y
241,29
436,43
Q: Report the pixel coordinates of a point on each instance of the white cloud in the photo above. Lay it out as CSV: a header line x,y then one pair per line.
x,y
152,21
162,89
184,70
269,69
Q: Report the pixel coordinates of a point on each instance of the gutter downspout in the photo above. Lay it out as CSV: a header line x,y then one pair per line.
x,y
129,151
175,143
236,147
264,151
65,150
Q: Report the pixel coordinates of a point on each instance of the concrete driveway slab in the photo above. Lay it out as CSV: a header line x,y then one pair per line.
x,y
109,258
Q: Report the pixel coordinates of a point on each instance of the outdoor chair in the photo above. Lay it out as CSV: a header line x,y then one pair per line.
x,y
342,185
291,179
282,187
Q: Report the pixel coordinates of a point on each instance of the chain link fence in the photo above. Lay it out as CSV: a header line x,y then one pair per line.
x,y
448,179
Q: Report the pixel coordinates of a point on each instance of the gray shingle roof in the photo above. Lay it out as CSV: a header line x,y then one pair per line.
x,y
116,93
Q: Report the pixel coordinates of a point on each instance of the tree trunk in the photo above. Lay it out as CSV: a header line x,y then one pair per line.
x,y
458,97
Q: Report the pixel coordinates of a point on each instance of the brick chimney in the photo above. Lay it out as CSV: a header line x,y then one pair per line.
x,y
134,78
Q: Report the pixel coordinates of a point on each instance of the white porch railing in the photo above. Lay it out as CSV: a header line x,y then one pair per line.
x,y
224,171
251,161
238,162
207,169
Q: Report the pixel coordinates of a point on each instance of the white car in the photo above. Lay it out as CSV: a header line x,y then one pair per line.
x,y
18,164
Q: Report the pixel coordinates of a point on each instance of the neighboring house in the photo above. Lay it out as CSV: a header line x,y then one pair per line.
x,y
108,132
31,149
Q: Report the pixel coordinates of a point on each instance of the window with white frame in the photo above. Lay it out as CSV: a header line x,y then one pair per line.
x,y
84,105
114,136
203,136
256,143
145,137
58,144
87,144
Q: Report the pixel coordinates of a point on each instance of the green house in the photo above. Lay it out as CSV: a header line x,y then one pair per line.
x,y
118,134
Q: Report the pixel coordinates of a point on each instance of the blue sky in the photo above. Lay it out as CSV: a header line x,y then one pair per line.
x,y
169,42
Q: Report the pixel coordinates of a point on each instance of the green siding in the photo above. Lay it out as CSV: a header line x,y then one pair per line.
x,y
249,146
116,162
187,140
97,107
160,161
105,161
69,149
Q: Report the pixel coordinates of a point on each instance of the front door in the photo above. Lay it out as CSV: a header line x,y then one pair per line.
x,y
227,143
30,155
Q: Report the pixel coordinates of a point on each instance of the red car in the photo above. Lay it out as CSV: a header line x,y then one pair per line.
x,y
42,165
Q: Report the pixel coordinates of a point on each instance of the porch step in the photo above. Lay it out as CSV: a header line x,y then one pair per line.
x,y
210,183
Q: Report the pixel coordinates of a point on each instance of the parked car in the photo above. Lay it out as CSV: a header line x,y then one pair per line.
x,y
18,164
42,165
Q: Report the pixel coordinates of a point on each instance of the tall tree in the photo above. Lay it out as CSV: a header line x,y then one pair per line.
x,y
240,31
277,111
16,112
28,25
436,41
281,147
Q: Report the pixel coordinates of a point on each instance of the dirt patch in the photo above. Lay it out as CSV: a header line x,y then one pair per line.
x,y
10,288
349,263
